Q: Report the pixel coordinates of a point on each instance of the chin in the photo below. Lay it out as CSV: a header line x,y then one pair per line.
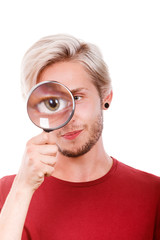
x,y
79,151
82,143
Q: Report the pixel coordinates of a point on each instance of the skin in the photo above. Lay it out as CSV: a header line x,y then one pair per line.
x,y
45,154
88,110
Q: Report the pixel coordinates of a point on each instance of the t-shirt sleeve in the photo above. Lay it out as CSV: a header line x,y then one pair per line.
x,y
5,186
1,195
157,227
0,198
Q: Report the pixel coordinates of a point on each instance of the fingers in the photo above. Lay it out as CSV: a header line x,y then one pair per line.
x,y
44,171
43,138
45,154
38,161
43,144
48,160
48,171
50,150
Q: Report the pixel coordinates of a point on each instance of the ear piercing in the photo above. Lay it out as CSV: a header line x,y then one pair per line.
x,y
106,105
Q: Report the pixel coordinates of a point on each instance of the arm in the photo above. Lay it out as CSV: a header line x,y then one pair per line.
x,y
14,212
38,162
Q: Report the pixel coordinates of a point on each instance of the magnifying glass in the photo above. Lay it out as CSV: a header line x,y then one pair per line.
x,y
50,105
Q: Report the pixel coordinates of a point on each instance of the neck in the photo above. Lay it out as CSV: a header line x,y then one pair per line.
x,y
90,166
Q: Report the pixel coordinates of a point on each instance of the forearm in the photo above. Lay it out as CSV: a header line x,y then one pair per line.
x,y
38,161
14,213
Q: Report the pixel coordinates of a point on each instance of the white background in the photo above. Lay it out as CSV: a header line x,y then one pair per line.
x,y
128,34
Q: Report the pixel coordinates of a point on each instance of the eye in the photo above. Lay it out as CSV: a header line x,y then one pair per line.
x,y
76,98
51,105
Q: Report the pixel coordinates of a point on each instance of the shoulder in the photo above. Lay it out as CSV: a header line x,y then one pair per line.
x,y
5,186
138,179
136,173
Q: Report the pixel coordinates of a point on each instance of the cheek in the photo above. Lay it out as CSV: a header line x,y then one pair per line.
x,y
87,110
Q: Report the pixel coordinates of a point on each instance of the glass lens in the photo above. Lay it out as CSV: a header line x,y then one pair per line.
x,y
50,105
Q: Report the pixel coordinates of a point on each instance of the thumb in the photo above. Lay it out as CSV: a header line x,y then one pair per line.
x,y
51,137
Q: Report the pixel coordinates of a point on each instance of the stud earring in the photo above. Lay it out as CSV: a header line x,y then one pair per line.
x,y
106,105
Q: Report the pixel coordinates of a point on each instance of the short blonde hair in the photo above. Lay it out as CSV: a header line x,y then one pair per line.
x,y
60,47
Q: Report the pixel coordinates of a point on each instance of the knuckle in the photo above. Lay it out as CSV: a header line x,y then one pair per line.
x,y
37,171
28,143
29,148
30,161
40,174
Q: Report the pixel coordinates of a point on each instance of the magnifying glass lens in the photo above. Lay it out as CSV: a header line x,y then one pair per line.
x,y
50,105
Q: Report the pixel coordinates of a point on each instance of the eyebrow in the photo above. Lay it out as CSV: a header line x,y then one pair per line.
x,y
73,91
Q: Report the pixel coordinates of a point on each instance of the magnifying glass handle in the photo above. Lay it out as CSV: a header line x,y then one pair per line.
x,y
47,130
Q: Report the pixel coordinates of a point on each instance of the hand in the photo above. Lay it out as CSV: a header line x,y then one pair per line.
x,y
38,161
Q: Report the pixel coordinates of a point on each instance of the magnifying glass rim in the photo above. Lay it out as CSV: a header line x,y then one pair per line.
x,y
73,107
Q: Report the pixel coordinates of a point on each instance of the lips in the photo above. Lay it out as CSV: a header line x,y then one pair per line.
x,y
72,135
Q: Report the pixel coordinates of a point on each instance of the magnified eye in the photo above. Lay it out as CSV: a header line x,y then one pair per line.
x,y
51,105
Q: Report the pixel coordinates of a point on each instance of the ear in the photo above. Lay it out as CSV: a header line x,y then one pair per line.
x,y
107,99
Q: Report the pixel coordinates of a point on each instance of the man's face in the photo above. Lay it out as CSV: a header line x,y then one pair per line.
x,y
85,128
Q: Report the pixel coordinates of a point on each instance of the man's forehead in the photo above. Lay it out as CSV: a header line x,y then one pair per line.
x,y
72,75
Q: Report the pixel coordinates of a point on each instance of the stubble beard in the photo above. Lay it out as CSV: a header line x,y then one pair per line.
x,y
94,134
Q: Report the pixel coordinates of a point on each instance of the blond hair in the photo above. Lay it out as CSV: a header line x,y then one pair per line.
x,y
57,48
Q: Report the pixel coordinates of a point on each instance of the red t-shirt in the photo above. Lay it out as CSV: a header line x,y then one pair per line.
x,y
122,205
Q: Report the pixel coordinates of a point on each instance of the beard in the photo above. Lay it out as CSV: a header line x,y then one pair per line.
x,y
95,131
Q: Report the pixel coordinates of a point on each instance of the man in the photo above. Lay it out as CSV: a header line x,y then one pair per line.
x,y
67,186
